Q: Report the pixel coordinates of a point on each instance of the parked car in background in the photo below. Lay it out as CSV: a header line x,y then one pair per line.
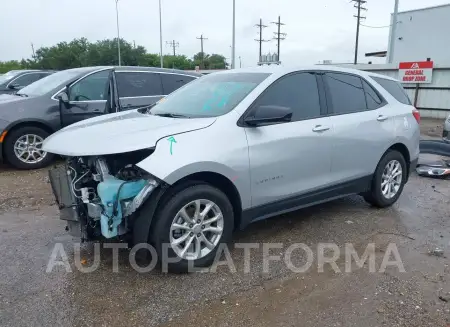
x,y
36,111
232,148
15,80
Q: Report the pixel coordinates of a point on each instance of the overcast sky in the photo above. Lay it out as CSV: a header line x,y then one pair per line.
x,y
316,29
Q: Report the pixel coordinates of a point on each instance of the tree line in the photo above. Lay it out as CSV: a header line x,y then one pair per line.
x,y
81,53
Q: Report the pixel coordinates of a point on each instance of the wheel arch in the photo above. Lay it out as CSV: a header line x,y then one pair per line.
x,y
219,181
403,149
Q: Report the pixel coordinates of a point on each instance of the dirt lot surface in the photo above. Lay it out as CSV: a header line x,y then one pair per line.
x,y
418,226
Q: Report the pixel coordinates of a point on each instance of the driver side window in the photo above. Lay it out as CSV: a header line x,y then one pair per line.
x,y
92,87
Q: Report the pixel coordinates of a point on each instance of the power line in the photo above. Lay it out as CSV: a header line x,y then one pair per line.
x,y
260,40
358,5
375,26
279,36
174,45
201,38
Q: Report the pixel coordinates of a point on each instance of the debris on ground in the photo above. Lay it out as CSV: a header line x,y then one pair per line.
x,y
436,252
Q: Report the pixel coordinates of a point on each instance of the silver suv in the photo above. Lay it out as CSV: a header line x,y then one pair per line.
x,y
231,148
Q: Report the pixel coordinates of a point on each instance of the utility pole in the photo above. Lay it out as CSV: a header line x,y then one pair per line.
x,y
279,36
233,38
118,33
161,58
358,5
393,33
174,45
201,38
32,49
260,40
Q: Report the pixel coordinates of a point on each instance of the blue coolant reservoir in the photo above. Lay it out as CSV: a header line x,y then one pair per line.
x,y
107,191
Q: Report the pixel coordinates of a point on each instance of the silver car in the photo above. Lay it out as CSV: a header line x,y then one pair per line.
x,y
232,148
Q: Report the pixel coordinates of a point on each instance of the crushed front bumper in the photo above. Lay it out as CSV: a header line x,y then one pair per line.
x,y
67,203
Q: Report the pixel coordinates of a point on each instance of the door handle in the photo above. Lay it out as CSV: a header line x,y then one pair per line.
x,y
320,128
382,118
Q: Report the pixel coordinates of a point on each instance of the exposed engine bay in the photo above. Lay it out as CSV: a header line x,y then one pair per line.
x,y
99,195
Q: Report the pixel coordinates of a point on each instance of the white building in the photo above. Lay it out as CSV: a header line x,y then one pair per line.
x,y
421,34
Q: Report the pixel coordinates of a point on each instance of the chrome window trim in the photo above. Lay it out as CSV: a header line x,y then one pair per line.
x,y
36,72
82,77
151,72
88,101
144,96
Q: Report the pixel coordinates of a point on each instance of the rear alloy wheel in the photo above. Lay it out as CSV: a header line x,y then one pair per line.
x,y
23,148
192,224
388,180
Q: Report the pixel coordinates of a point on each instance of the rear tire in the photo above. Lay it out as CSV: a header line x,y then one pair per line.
x,y
388,182
29,141
163,233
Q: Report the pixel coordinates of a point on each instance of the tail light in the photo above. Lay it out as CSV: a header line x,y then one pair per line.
x,y
416,115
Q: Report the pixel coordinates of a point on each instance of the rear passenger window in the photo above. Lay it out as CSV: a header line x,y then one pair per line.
x,y
171,82
372,98
394,88
26,79
298,92
138,84
346,92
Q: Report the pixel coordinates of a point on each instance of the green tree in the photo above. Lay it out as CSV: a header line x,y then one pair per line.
x,y
80,52
9,65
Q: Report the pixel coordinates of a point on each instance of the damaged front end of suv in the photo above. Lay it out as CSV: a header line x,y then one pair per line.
x,y
99,196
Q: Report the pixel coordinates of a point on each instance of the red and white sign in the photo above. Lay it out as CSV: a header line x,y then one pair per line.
x,y
416,72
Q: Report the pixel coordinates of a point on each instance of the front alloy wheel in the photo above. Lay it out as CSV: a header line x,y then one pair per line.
x,y
28,149
23,148
192,220
196,229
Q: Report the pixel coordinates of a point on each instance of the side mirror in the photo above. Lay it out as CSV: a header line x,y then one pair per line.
x,y
269,114
63,97
14,86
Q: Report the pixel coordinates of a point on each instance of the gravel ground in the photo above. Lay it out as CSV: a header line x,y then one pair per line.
x,y
418,225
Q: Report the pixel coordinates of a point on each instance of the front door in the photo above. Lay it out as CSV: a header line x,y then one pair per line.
x,y
87,97
293,158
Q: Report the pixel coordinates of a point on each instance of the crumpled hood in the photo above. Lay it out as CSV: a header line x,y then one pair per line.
x,y
118,133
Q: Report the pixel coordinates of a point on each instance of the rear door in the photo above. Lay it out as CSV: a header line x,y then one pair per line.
x,y
292,158
362,131
87,97
138,88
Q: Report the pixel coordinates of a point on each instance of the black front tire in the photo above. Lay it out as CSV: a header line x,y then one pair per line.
x,y
375,195
10,155
160,230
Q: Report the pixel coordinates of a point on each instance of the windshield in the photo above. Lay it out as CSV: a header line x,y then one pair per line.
x,y
49,83
209,96
9,76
